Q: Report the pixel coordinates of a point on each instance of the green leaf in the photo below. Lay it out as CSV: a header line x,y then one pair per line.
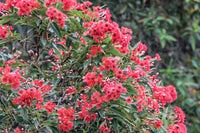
x,y
20,22
49,129
3,21
76,26
145,21
75,39
17,64
159,18
2,42
43,41
169,21
3,119
163,43
192,42
195,63
190,84
73,76
56,83
130,88
7,18
55,28
115,52
169,38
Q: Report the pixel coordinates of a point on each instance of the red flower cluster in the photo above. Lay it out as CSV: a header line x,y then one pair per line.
x,y
122,37
11,78
153,104
38,83
138,51
165,95
129,100
88,118
70,91
83,6
97,99
2,6
25,7
84,114
99,30
156,123
27,97
141,98
177,128
56,15
91,80
141,48
49,106
68,4
10,3
109,63
65,118
18,130
3,31
50,2
134,74
95,50
113,90
46,88
180,116
104,128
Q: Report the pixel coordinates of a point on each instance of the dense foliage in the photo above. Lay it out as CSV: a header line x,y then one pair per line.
x,y
66,66
172,29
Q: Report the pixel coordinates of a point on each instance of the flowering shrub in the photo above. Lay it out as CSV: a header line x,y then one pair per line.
x,y
77,72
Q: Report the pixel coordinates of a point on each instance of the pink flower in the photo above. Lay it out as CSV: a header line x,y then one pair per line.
x,y
129,100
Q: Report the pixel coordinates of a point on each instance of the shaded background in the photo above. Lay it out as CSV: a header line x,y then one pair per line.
x,y
170,28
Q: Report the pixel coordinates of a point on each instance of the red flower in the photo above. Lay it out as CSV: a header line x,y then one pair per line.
x,y
65,115
54,14
46,88
38,106
18,130
113,90
70,91
27,97
177,128
26,6
129,100
180,116
49,106
68,4
84,97
4,31
158,57
62,42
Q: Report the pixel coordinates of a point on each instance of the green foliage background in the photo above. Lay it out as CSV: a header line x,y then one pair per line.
x,y
171,28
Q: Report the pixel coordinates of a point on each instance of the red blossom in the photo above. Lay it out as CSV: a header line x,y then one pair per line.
x,y
129,100
55,15
26,6
27,97
49,106
180,116
177,128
